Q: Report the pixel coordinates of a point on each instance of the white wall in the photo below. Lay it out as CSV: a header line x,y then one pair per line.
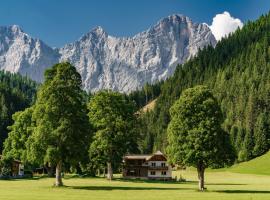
x,y
158,172
21,170
158,163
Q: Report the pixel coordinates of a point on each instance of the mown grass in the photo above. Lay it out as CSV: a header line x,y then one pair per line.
x,y
220,185
244,181
259,165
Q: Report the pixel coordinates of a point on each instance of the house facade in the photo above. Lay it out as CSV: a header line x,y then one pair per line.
x,y
153,166
16,168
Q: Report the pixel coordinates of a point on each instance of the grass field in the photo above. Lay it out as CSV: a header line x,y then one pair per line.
x,y
245,181
260,165
220,186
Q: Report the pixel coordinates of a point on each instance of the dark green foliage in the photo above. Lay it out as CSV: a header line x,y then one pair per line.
x,y
6,166
20,131
194,132
61,133
16,93
261,135
195,135
237,70
114,122
148,93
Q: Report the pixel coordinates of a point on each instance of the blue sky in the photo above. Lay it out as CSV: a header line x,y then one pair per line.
x,y
58,22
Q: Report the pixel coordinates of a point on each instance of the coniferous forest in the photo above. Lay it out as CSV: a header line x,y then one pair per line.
x,y
237,70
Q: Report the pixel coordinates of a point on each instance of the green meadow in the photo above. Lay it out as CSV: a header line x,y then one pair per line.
x,y
246,181
220,186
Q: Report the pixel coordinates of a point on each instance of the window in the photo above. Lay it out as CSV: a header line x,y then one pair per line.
x,y
153,164
163,164
163,173
153,173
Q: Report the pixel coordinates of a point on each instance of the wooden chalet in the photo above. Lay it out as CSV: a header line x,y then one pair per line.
x,y
17,168
153,166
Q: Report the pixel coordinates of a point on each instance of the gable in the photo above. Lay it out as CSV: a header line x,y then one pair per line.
x,y
157,158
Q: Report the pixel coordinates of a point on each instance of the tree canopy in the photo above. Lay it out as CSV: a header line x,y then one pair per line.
x,y
113,120
20,131
16,94
195,135
61,133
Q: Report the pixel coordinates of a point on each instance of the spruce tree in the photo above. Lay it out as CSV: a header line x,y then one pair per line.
x,y
261,132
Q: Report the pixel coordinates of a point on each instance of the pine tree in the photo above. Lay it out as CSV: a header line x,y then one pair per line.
x,y
261,132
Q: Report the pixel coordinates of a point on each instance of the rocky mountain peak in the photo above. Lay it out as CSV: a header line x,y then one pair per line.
x,y
105,62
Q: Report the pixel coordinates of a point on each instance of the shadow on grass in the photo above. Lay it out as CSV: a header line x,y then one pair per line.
x,y
224,184
244,191
24,179
154,181
109,188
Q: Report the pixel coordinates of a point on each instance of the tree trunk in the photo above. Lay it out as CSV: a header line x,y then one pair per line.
x,y
200,170
50,170
58,176
109,172
104,172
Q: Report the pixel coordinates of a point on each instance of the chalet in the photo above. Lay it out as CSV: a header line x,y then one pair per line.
x,y
16,168
152,166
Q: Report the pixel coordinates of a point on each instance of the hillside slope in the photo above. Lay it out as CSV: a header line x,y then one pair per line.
x,y
237,70
259,165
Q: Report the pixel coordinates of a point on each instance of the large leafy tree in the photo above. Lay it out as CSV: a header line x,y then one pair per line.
x,y
195,135
16,93
20,131
113,119
61,134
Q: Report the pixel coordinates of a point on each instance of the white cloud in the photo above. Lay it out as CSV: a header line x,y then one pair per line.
x,y
223,24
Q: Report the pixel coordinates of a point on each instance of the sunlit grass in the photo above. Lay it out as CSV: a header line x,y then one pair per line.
x,y
220,186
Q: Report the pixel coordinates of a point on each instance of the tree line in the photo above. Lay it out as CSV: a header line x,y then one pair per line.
x,y
67,130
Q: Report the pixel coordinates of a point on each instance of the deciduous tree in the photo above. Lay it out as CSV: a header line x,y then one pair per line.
x,y
195,135
61,134
113,119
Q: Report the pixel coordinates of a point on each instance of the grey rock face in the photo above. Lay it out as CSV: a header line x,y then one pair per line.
x,y
107,62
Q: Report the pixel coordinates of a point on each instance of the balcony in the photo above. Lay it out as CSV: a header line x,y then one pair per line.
x,y
158,167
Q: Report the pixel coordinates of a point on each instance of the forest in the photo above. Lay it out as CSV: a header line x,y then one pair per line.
x,y
237,70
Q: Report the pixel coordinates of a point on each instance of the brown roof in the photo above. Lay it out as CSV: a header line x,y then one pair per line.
x,y
137,156
142,156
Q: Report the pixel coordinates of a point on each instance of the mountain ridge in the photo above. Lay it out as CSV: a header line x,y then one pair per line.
x,y
123,64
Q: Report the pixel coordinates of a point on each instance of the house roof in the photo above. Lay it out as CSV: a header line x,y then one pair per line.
x,y
137,156
142,156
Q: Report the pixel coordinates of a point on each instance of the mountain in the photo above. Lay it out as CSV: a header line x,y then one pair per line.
x,y
107,62
237,71
21,53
